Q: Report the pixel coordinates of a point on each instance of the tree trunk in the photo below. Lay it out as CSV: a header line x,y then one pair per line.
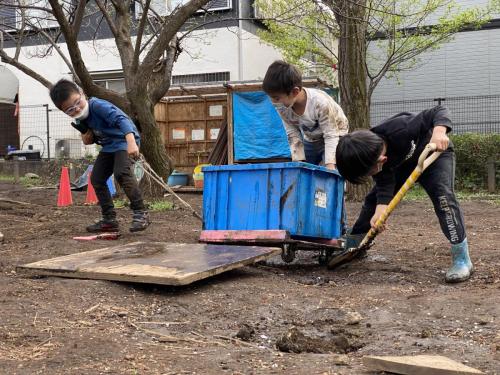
x,y
352,62
152,146
350,15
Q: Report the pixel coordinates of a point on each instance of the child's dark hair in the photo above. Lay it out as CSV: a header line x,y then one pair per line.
x,y
62,90
357,153
281,77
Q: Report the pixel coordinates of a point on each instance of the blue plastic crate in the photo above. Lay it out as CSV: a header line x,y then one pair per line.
x,y
304,199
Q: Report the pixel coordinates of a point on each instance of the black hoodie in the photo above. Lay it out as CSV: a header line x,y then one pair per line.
x,y
406,135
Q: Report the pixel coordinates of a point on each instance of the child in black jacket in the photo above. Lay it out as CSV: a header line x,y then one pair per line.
x,y
389,152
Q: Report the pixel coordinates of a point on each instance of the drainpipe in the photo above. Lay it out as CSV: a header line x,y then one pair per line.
x,y
240,43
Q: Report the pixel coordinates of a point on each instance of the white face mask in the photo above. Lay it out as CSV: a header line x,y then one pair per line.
x,y
84,113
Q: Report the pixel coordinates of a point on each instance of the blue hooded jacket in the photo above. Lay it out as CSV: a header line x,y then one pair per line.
x,y
110,125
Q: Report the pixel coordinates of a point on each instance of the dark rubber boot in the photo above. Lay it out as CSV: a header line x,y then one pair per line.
x,y
104,225
140,221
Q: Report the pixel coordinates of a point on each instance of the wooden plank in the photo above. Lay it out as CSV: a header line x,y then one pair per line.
x,y
230,135
201,90
267,238
244,235
418,365
187,190
151,262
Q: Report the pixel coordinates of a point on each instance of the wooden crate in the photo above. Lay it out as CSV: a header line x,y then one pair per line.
x,y
190,127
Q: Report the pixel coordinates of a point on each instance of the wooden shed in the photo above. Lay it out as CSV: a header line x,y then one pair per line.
x,y
191,117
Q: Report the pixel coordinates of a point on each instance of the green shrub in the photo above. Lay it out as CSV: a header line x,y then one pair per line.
x,y
472,152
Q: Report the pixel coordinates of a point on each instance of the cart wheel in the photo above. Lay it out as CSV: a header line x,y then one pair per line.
x,y
324,255
288,253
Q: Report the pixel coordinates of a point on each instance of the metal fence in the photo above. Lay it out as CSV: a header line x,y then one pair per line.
x,y
49,131
44,128
469,114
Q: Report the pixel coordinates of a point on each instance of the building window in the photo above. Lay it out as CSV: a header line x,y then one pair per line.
x,y
165,7
8,18
201,77
113,80
115,84
35,17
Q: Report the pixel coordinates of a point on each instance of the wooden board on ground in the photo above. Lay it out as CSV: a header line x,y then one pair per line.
x,y
151,262
418,365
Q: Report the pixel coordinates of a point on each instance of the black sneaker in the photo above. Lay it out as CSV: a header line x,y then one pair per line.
x,y
140,221
104,225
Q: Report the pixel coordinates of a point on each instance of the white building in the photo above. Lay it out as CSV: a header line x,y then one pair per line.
x,y
229,50
462,75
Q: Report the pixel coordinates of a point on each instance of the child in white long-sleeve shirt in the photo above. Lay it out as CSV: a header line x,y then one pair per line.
x,y
313,121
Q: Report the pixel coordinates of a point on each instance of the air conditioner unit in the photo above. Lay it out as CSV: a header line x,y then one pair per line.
x,y
68,148
165,7
218,5
160,7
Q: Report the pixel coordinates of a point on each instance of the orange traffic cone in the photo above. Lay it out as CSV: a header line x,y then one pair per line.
x,y
91,197
64,197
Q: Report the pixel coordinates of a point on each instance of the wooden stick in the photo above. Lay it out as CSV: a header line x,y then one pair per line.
x,y
154,176
244,343
17,202
91,309
164,323
170,338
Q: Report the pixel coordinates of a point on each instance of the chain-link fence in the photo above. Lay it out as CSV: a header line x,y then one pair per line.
x,y
46,130
469,114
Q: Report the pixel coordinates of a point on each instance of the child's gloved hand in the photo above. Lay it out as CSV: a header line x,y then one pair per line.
x,y
88,137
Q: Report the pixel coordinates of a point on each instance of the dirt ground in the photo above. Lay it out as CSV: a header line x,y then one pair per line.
x,y
270,318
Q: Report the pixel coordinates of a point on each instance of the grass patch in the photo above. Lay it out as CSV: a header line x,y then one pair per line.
x,y
418,193
29,182
157,205
25,181
5,178
478,196
120,203
161,205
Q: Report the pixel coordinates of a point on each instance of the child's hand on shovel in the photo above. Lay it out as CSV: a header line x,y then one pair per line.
x,y
439,138
378,213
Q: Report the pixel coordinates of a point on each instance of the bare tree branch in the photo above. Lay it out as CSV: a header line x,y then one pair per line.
x,y
78,16
174,22
140,32
23,68
107,16
160,82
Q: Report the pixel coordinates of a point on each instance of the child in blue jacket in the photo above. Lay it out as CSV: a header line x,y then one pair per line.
x,y
105,124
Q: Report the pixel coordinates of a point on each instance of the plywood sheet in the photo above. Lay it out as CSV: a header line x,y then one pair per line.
x,y
152,262
418,365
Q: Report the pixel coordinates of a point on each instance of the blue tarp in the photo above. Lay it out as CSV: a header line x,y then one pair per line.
x,y
258,129
82,182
